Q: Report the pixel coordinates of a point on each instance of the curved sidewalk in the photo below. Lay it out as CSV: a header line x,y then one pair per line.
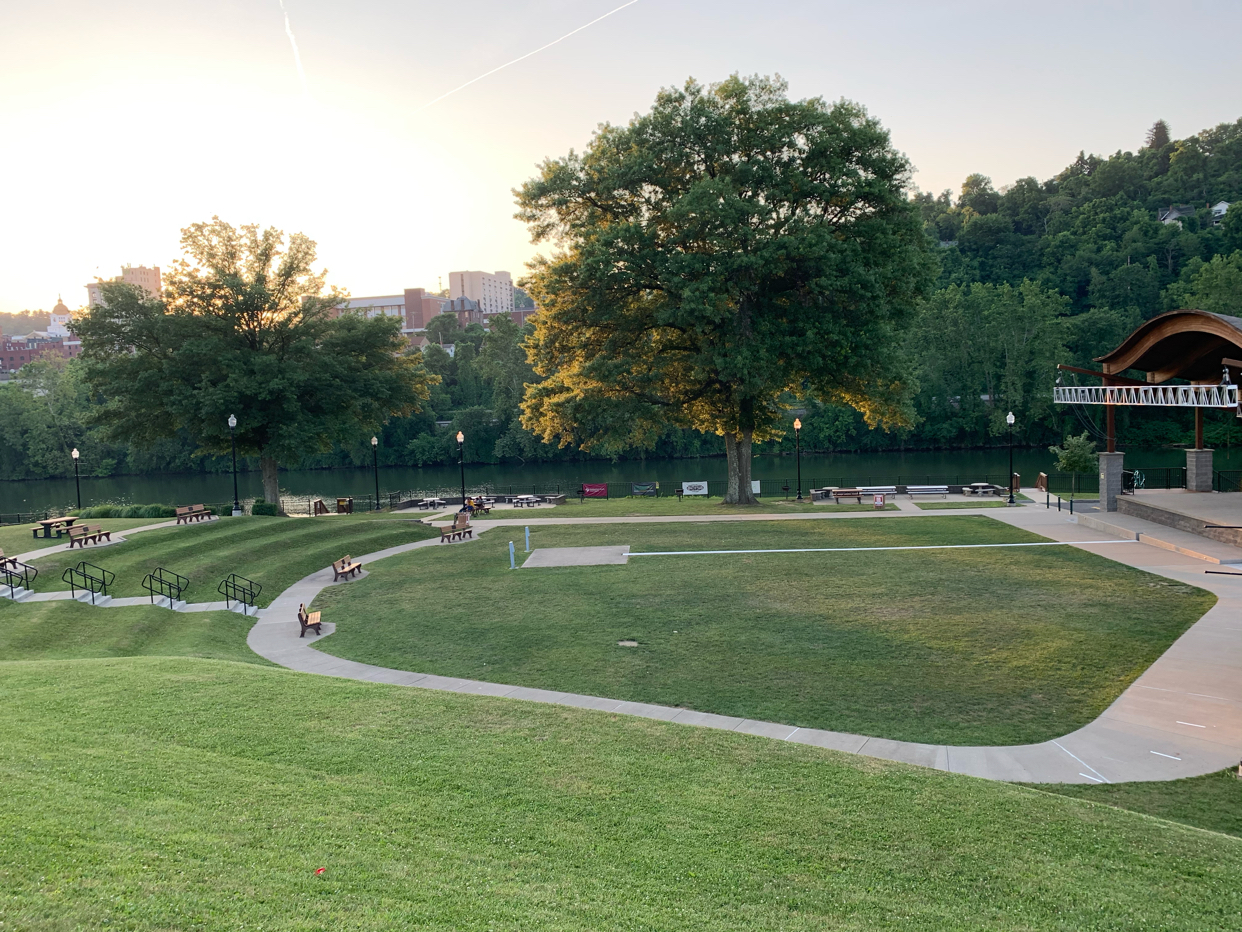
x,y
1181,718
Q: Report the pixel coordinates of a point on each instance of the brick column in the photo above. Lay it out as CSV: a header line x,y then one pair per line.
x,y
1198,470
1110,479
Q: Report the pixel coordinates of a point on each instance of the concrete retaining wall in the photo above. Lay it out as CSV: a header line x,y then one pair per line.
x,y
1129,505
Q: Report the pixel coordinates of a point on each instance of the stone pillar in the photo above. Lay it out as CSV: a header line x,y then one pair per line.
x,y
1110,479
1198,470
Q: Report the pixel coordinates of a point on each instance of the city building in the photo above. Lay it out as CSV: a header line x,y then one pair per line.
x,y
414,306
56,341
148,279
493,290
468,311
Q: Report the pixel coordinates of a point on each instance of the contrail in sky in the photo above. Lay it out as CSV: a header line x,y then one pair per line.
x,y
297,56
516,60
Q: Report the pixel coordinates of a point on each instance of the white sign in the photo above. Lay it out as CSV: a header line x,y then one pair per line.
x,y
694,488
754,486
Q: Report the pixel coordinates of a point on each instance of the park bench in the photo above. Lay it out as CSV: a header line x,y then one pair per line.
x,y
941,490
47,525
458,529
81,535
345,567
7,561
187,513
857,494
308,620
878,489
554,499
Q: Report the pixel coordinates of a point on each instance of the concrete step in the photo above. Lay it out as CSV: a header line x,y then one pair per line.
x,y
1129,527
16,594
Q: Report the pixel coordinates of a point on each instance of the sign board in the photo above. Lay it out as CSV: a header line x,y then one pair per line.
x,y
694,488
878,499
754,486
644,488
595,490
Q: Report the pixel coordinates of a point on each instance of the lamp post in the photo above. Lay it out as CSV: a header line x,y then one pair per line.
x,y
76,481
233,442
461,459
1009,419
798,452
375,465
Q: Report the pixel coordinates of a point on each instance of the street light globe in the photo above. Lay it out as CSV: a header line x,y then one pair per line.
x,y
374,441
74,454
461,438
797,423
232,421
1009,419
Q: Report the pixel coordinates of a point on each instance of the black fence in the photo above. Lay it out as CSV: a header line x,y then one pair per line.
x,y
1227,480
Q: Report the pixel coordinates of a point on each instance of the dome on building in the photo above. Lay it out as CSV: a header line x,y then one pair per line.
x,y
60,306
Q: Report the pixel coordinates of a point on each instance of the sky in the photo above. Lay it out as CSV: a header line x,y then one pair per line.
x,y
123,122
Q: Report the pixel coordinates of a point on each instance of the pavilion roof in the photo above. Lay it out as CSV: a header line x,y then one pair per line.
x,y
1186,344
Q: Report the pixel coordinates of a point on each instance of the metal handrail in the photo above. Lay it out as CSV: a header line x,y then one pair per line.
x,y
236,588
17,575
159,583
96,583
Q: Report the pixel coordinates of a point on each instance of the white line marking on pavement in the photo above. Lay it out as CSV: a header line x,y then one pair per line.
x,y
1169,756
1089,777
1192,724
1081,761
1041,543
792,733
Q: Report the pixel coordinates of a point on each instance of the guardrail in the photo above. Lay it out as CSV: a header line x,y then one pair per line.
x,y
236,588
94,579
165,583
16,575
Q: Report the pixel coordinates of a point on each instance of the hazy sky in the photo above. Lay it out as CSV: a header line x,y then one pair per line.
x,y
123,121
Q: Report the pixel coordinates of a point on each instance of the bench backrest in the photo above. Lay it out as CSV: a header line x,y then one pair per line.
x,y
302,616
80,530
184,510
198,508
462,520
339,565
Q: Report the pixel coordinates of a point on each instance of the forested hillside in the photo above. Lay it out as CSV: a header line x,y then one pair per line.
x,y
1033,273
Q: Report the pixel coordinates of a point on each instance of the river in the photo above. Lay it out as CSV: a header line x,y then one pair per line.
x,y
817,469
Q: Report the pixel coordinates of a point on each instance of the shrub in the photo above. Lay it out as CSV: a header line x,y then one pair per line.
x,y
126,511
261,507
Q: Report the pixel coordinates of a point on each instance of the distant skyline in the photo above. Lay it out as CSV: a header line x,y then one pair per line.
x,y
126,121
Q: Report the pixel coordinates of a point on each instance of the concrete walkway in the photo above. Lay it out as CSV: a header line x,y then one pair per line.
x,y
1181,718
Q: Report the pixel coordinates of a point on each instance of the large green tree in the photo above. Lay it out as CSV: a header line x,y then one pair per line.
x,y
722,251
245,327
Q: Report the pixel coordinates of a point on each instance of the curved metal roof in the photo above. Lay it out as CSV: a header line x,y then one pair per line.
x,y
1186,344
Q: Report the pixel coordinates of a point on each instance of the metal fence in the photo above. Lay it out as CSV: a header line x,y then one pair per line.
x,y
1227,480
1141,477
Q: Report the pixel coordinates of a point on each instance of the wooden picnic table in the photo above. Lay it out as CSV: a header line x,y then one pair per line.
x,y
59,525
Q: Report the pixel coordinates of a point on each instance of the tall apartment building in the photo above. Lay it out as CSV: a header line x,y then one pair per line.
x,y
493,290
148,279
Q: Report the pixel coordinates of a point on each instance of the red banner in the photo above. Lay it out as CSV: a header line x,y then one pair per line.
x,y
599,490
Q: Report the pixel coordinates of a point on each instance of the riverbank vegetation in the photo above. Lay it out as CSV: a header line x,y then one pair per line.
x,y
1031,274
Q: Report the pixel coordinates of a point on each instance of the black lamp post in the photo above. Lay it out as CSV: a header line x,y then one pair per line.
x,y
76,481
461,459
798,452
375,465
233,441
1009,419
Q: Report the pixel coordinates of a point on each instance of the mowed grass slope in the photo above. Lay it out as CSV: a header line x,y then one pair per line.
x,y
688,505
1213,801
175,794
17,539
973,646
275,552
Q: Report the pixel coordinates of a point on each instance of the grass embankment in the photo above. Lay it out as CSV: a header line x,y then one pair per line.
x,y
160,794
275,552
17,539
689,505
1213,802
976,646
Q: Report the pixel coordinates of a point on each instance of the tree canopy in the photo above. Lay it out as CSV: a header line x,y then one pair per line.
x,y
245,327
720,253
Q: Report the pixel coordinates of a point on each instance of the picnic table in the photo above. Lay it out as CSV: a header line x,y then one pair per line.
x,y
978,488
525,501
59,525
430,503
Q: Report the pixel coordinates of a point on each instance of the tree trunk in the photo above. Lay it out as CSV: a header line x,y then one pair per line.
x,y
271,478
737,450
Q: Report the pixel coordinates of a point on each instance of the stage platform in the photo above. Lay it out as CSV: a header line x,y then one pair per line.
x,y
1188,512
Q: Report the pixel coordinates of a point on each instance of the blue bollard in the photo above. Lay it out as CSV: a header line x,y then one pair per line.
x,y
512,559
528,540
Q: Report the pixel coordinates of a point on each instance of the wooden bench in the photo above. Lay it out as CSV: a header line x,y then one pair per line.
x,y
187,513
838,494
941,490
308,620
7,561
344,567
81,535
47,525
458,529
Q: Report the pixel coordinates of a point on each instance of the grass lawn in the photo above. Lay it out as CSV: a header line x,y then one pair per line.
x,y
1213,802
15,539
669,505
980,646
150,794
65,630
275,552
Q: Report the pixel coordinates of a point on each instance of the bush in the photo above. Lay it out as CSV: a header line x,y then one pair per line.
x,y
127,511
261,507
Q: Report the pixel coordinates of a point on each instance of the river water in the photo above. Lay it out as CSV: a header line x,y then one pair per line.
x,y
817,470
